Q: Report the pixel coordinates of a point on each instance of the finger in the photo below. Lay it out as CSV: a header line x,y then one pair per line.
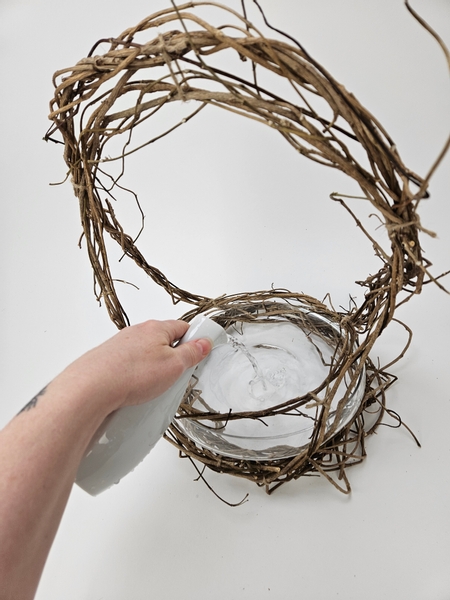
x,y
175,329
191,353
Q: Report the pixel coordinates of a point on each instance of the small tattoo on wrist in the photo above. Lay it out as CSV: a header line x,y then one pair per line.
x,y
32,403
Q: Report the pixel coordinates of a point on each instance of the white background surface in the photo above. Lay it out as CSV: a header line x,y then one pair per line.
x,y
159,534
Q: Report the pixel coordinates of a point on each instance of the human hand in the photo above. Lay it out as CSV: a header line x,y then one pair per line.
x,y
41,449
138,364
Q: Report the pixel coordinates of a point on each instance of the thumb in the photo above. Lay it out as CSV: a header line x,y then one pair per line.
x,y
191,353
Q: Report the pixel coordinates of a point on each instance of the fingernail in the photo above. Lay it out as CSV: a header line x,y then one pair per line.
x,y
205,346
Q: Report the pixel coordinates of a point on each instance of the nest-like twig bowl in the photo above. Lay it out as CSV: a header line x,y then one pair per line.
x,y
329,448
177,65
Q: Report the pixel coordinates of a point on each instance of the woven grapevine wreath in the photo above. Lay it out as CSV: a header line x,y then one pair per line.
x,y
107,97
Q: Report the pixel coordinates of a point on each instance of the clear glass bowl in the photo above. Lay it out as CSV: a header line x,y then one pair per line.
x,y
264,364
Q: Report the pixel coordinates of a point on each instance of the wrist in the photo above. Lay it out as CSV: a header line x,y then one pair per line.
x,y
95,386
81,402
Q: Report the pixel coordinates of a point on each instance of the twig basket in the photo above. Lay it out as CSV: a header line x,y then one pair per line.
x,y
176,64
